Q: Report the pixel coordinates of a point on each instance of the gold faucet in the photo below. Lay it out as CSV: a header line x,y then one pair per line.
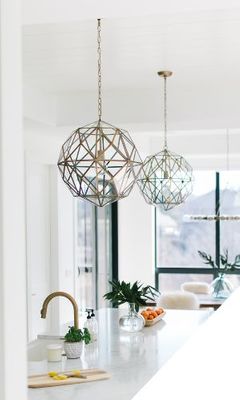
x,y
61,294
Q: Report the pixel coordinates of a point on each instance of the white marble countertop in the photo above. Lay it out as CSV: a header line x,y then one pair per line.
x,y
207,366
131,359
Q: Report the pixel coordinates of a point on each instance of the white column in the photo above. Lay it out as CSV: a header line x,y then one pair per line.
x,y
136,239
12,241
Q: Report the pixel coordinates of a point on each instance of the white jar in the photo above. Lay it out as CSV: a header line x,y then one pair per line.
x,y
54,352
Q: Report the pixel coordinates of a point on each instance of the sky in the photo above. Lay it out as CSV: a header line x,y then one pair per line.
x,y
204,181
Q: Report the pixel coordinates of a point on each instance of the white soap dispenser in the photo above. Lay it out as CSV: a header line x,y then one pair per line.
x,y
88,324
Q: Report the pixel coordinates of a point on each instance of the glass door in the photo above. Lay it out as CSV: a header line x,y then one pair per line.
x,y
93,254
104,253
85,255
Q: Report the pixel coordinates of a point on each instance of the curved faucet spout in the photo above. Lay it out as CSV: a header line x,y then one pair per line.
x,y
61,294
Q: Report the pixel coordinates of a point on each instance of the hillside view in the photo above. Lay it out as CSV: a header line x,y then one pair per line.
x,y
179,238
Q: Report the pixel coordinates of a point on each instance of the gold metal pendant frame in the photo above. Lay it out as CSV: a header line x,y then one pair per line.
x,y
165,179
99,163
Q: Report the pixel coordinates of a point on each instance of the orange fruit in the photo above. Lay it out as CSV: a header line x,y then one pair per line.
x,y
154,314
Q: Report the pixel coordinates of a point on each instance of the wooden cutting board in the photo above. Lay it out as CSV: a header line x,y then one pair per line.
x,y
41,381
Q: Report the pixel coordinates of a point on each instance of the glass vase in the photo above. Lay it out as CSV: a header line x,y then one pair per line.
x,y
132,322
221,288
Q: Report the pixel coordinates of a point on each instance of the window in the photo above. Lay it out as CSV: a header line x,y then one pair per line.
x,y
85,254
178,237
93,253
230,205
104,253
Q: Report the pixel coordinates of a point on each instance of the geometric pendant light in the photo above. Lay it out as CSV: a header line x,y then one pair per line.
x,y
165,178
99,162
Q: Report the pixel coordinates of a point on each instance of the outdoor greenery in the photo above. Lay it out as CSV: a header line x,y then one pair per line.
x,y
77,335
225,265
123,292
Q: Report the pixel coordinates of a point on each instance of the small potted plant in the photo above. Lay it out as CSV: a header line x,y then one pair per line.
x,y
221,287
73,341
135,295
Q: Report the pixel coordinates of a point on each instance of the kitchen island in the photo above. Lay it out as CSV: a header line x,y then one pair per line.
x,y
207,366
131,359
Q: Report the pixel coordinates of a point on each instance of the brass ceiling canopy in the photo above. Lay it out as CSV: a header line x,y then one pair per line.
x,y
99,162
165,178
165,74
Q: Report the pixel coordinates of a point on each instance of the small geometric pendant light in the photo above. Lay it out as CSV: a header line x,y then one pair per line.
x,y
165,178
99,162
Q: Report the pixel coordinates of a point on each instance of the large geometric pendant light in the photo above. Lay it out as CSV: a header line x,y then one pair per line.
x,y
99,162
165,178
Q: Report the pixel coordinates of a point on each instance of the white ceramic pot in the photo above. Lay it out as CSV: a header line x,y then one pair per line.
x,y
73,349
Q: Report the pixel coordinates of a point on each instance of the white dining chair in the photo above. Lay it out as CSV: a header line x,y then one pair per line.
x,y
178,300
196,287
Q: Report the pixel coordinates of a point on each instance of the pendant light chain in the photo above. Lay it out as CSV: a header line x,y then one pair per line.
x,y
99,52
165,112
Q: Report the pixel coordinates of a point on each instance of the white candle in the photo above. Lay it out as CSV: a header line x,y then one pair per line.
x,y
54,352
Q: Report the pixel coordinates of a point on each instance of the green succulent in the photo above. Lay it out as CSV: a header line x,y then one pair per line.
x,y
123,292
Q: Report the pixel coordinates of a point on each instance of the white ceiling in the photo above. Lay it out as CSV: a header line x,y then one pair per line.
x,y
57,11
201,46
197,47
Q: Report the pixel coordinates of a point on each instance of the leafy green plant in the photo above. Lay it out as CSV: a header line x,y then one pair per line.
x,y
225,265
136,293
77,335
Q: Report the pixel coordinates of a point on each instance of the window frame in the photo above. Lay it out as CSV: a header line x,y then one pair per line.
x,y
194,270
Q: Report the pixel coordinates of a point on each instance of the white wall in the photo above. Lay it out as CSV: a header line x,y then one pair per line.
x,y
136,239
203,149
39,106
13,371
38,243
50,246
66,240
